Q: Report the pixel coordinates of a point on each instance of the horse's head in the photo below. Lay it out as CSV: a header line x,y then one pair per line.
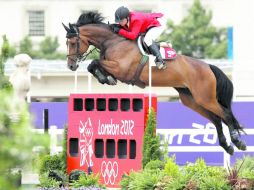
x,y
76,46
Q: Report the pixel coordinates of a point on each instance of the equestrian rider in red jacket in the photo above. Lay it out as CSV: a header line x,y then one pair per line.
x,y
134,23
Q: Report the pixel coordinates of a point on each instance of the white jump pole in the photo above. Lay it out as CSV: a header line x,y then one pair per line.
x,y
89,81
130,88
150,83
76,81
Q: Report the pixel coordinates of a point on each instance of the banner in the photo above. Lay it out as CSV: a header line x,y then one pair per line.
x,y
191,136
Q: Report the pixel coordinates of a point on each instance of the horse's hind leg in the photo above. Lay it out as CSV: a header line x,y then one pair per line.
x,y
222,139
207,99
188,101
234,128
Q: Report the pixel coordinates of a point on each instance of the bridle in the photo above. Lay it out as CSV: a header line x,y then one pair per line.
x,y
79,56
73,31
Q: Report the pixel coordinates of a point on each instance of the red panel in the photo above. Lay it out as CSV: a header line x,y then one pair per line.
x,y
87,126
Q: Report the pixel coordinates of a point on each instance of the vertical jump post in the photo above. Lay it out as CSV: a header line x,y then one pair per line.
x,y
150,83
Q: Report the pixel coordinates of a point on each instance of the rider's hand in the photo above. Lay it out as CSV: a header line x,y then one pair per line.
x,y
115,28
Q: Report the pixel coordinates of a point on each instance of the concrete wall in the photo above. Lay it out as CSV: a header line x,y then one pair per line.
x,y
14,16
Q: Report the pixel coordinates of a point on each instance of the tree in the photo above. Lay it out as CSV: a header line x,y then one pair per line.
x,y
26,46
47,48
195,36
49,45
151,144
6,51
16,138
64,145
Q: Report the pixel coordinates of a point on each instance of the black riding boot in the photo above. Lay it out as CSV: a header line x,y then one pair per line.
x,y
160,63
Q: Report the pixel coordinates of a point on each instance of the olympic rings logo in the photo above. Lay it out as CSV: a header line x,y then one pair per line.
x,y
109,172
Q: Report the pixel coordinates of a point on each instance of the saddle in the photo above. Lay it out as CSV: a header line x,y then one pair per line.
x,y
167,53
166,50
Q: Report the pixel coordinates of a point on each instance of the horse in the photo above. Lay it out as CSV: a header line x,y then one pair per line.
x,y
202,87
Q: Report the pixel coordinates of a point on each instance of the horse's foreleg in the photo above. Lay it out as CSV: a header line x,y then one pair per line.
x,y
100,74
188,101
93,68
112,70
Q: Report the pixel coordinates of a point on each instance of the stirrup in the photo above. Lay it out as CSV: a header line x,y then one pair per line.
x,y
160,65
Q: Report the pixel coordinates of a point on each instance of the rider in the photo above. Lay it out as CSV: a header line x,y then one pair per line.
x,y
134,23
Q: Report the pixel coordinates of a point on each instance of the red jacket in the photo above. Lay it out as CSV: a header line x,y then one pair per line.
x,y
140,23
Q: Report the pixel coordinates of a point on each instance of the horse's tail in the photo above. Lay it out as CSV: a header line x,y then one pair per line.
x,y
224,87
224,92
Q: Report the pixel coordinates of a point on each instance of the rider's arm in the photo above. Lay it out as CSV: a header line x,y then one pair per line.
x,y
133,34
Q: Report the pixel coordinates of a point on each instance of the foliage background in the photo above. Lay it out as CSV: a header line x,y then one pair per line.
x,y
16,137
151,144
195,36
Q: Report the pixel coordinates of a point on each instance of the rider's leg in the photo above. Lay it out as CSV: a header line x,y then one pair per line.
x,y
150,36
154,49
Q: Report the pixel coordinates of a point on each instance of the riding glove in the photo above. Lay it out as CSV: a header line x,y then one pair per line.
x,y
115,28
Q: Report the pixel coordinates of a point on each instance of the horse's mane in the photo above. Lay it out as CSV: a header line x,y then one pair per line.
x,y
90,18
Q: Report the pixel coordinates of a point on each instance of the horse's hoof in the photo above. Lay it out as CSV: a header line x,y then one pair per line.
x,y
241,145
230,150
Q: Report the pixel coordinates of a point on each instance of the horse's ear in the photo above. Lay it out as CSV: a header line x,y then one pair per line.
x,y
71,27
66,28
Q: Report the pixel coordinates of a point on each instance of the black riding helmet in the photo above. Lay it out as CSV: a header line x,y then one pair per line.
x,y
121,13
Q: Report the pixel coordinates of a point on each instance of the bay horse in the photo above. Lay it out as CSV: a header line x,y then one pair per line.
x,y
202,87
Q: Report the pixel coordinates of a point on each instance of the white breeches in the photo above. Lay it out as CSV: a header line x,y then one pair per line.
x,y
153,33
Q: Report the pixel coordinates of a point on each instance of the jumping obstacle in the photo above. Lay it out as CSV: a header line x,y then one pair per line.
x,y
105,133
190,136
